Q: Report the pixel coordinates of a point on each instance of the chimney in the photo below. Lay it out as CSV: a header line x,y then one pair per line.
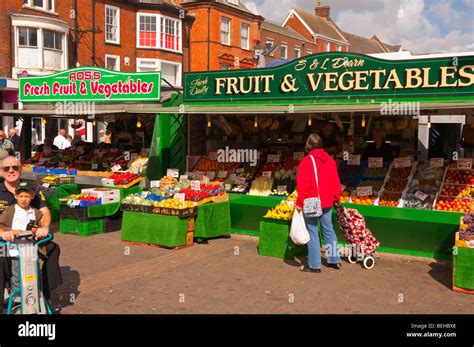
x,y
322,11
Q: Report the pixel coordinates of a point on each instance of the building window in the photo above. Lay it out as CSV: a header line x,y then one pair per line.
x,y
150,27
28,37
112,62
284,51
147,30
52,40
225,31
170,34
327,46
339,48
269,47
112,24
170,71
297,52
225,67
144,65
245,36
45,5
40,46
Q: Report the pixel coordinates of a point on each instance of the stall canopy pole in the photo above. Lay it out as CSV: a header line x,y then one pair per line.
x,y
158,158
25,139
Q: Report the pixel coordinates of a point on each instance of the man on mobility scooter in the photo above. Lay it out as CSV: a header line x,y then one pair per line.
x,y
15,215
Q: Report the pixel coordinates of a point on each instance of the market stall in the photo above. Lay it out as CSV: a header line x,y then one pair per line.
x,y
246,128
84,182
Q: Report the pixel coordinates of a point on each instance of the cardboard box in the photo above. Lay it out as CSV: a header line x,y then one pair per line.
x,y
108,196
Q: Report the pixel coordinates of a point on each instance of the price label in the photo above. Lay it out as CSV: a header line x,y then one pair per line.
x,y
222,174
46,185
267,174
75,203
402,162
354,159
298,156
180,196
198,175
108,182
465,163
436,162
205,180
281,188
232,177
420,195
144,194
155,184
273,158
126,156
365,191
95,166
183,178
343,187
116,168
62,175
211,175
196,185
212,156
172,173
240,180
375,163
241,170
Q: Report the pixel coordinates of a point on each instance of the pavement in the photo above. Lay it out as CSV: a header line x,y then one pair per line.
x,y
103,275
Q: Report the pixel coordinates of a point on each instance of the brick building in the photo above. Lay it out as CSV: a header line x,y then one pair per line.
x,y
288,43
40,37
363,45
122,35
318,27
223,35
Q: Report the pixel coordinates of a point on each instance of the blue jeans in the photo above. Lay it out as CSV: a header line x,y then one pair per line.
x,y
314,244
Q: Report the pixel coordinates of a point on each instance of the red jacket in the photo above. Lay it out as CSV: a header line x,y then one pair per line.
x,y
329,183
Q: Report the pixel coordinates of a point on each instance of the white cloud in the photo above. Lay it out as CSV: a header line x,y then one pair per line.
x,y
415,24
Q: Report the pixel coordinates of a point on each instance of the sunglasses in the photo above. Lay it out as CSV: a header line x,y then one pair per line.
x,y
14,167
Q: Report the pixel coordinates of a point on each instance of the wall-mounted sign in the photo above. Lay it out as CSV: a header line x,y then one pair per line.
x,y
92,84
336,75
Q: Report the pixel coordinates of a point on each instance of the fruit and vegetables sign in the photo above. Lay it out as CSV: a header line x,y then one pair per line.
x,y
333,75
92,84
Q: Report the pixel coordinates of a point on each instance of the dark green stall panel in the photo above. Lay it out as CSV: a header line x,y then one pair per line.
x,y
409,231
246,212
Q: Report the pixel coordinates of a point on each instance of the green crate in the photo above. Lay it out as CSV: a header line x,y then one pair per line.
x,y
463,271
155,229
275,241
88,228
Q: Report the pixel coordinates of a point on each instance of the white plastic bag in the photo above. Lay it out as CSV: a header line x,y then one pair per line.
x,y
298,232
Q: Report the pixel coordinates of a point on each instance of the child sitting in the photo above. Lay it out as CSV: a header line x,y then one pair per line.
x,y
16,219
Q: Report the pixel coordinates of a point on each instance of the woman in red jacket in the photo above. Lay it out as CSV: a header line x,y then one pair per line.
x,y
328,189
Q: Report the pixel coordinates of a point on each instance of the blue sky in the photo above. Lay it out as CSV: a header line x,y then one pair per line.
x,y
419,25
